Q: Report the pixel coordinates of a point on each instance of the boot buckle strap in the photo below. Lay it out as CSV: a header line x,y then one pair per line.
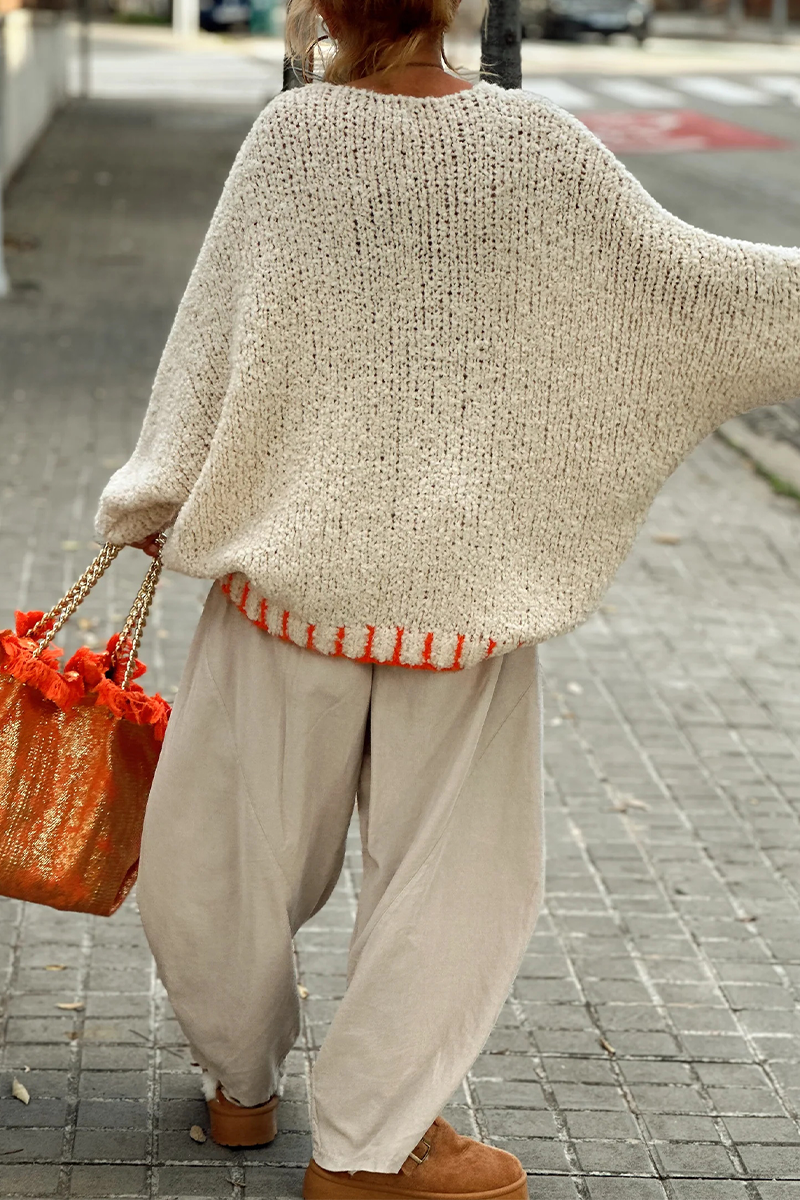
x,y
421,1158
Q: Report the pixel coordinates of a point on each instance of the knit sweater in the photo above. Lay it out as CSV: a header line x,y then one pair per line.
x,y
434,362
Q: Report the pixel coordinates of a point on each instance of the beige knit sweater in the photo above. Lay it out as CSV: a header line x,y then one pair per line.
x,y
435,360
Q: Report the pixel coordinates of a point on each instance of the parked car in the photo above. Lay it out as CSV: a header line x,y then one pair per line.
x,y
568,18
224,14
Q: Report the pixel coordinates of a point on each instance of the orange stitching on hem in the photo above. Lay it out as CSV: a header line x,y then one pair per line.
x,y
490,648
338,651
367,655
395,659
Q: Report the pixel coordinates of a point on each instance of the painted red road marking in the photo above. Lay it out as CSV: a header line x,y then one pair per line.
x,y
673,131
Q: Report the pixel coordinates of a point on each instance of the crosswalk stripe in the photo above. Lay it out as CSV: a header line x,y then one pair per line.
x,y
722,91
560,92
639,92
787,86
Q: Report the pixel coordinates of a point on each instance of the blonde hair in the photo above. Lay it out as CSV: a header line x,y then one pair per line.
x,y
374,35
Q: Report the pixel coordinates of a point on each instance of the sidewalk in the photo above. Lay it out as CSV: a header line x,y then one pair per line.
x,y
649,1049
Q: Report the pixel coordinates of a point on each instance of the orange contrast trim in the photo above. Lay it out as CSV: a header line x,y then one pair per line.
x,y
367,655
338,650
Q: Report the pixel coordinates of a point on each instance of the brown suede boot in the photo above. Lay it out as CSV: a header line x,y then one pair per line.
x,y
443,1166
234,1125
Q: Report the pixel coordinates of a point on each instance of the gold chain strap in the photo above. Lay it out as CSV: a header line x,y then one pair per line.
x,y
132,630
69,604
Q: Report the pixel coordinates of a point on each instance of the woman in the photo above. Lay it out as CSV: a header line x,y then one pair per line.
x,y
438,354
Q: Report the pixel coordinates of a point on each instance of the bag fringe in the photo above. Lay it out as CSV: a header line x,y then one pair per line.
x,y
89,673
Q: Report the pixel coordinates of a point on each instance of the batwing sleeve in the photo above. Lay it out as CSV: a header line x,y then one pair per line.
x,y
146,494
716,319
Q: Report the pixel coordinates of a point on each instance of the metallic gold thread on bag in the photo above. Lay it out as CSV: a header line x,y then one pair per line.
x,y
78,750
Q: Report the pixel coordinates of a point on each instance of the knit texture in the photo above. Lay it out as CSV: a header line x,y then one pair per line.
x,y
435,360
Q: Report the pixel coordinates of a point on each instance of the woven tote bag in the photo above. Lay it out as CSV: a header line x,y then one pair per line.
x,y
78,750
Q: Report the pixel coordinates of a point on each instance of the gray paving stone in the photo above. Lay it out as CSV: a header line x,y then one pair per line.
x,y
29,1180
771,1162
268,1183
109,1181
708,1189
682,1158
615,1188
197,1182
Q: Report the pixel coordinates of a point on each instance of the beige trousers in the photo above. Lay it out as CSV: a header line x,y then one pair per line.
x,y
244,840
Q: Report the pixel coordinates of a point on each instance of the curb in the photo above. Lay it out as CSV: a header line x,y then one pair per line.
x,y
779,461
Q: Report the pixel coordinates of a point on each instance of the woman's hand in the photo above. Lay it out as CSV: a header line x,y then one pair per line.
x,y
151,545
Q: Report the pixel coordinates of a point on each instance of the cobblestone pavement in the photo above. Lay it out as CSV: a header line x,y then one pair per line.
x,y
650,1047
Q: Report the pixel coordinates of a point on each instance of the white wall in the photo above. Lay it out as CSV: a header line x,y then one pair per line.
x,y
35,79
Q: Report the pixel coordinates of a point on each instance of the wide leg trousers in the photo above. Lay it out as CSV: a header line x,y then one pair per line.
x,y
244,839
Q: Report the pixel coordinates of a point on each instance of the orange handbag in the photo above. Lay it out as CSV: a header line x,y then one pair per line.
x,y
78,749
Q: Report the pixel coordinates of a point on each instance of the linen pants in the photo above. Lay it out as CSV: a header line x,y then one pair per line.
x,y
244,839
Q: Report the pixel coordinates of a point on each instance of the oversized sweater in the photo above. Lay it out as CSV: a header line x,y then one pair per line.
x,y
434,362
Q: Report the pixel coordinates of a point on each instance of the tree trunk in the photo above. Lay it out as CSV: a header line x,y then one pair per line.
x,y
501,36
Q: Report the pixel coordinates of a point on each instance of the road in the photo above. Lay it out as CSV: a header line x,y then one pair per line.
x,y
649,1049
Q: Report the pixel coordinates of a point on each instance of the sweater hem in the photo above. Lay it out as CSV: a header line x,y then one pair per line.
x,y
395,645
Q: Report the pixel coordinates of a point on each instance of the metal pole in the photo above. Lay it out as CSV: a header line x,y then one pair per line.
x,y
735,13
84,48
185,17
501,39
5,283
290,78
780,19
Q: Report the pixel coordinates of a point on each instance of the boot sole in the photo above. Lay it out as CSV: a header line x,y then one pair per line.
x,y
320,1184
244,1127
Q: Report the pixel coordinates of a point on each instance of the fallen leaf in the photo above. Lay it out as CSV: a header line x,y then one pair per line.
x,y
197,1134
87,622
56,967
72,1006
608,1048
667,539
568,716
747,920
302,991
26,1069
20,1092
70,545
575,688
622,802
73,1035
